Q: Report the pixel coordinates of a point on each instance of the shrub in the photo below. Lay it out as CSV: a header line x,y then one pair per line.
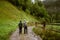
x,y
47,34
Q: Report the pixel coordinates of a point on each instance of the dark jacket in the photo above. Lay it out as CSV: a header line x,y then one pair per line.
x,y
20,24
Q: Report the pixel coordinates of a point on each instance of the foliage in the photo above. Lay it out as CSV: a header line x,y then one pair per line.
x,y
37,9
9,19
47,34
53,10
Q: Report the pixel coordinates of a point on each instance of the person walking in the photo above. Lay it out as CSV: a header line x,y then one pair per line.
x,y
20,27
25,27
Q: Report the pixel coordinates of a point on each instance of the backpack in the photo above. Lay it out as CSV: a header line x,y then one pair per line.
x,y
20,24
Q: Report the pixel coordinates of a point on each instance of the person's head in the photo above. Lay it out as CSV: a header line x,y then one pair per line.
x,y
24,19
20,21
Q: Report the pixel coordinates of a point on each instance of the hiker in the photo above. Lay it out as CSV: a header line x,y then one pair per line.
x,y
44,24
20,27
25,27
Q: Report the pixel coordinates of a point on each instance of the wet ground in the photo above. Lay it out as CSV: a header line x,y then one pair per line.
x,y
30,36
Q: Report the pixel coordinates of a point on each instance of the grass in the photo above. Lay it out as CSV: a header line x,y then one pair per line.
x,y
48,33
53,27
9,19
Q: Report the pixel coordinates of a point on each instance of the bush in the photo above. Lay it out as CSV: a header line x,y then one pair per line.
x,y
47,34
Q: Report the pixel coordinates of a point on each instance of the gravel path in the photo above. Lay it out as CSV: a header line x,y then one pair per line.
x,y
30,36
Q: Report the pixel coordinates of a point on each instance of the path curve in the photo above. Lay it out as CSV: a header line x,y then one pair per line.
x,y
30,36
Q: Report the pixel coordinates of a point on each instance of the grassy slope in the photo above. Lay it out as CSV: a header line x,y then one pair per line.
x,y
9,18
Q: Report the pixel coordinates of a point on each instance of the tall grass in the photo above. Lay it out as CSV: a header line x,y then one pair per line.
x,y
49,33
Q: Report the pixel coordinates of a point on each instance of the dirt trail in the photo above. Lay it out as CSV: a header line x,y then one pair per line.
x,y
29,36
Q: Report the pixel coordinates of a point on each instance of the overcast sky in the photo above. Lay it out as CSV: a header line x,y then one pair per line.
x,y
34,1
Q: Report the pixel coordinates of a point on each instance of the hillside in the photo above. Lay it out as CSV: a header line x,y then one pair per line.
x,y
9,19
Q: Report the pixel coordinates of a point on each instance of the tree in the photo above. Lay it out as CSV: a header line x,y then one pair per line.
x,y
37,9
